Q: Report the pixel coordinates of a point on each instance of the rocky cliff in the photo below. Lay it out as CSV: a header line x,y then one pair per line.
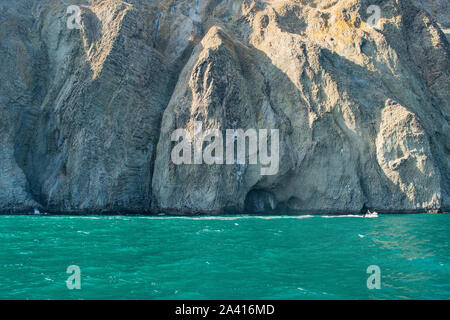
x,y
88,105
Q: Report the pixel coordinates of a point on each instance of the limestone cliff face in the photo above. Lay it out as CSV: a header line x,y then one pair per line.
x,y
86,115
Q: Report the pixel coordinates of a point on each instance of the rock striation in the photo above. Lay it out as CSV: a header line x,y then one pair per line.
x,y
87,110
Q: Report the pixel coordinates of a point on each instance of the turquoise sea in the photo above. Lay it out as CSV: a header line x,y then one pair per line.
x,y
286,257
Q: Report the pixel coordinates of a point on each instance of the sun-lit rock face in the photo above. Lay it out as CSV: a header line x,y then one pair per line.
x,y
361,104
439,9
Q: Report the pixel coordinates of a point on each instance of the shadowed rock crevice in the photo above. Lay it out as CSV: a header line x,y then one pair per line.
x,y
259,201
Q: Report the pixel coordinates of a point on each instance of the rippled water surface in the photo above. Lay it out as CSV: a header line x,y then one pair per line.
x,y
302,257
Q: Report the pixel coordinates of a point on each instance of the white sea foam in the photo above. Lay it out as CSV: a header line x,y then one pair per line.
x,y
344,216
220,218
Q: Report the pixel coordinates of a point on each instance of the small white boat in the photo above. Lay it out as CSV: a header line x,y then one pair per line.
x,y
371,214
36,211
